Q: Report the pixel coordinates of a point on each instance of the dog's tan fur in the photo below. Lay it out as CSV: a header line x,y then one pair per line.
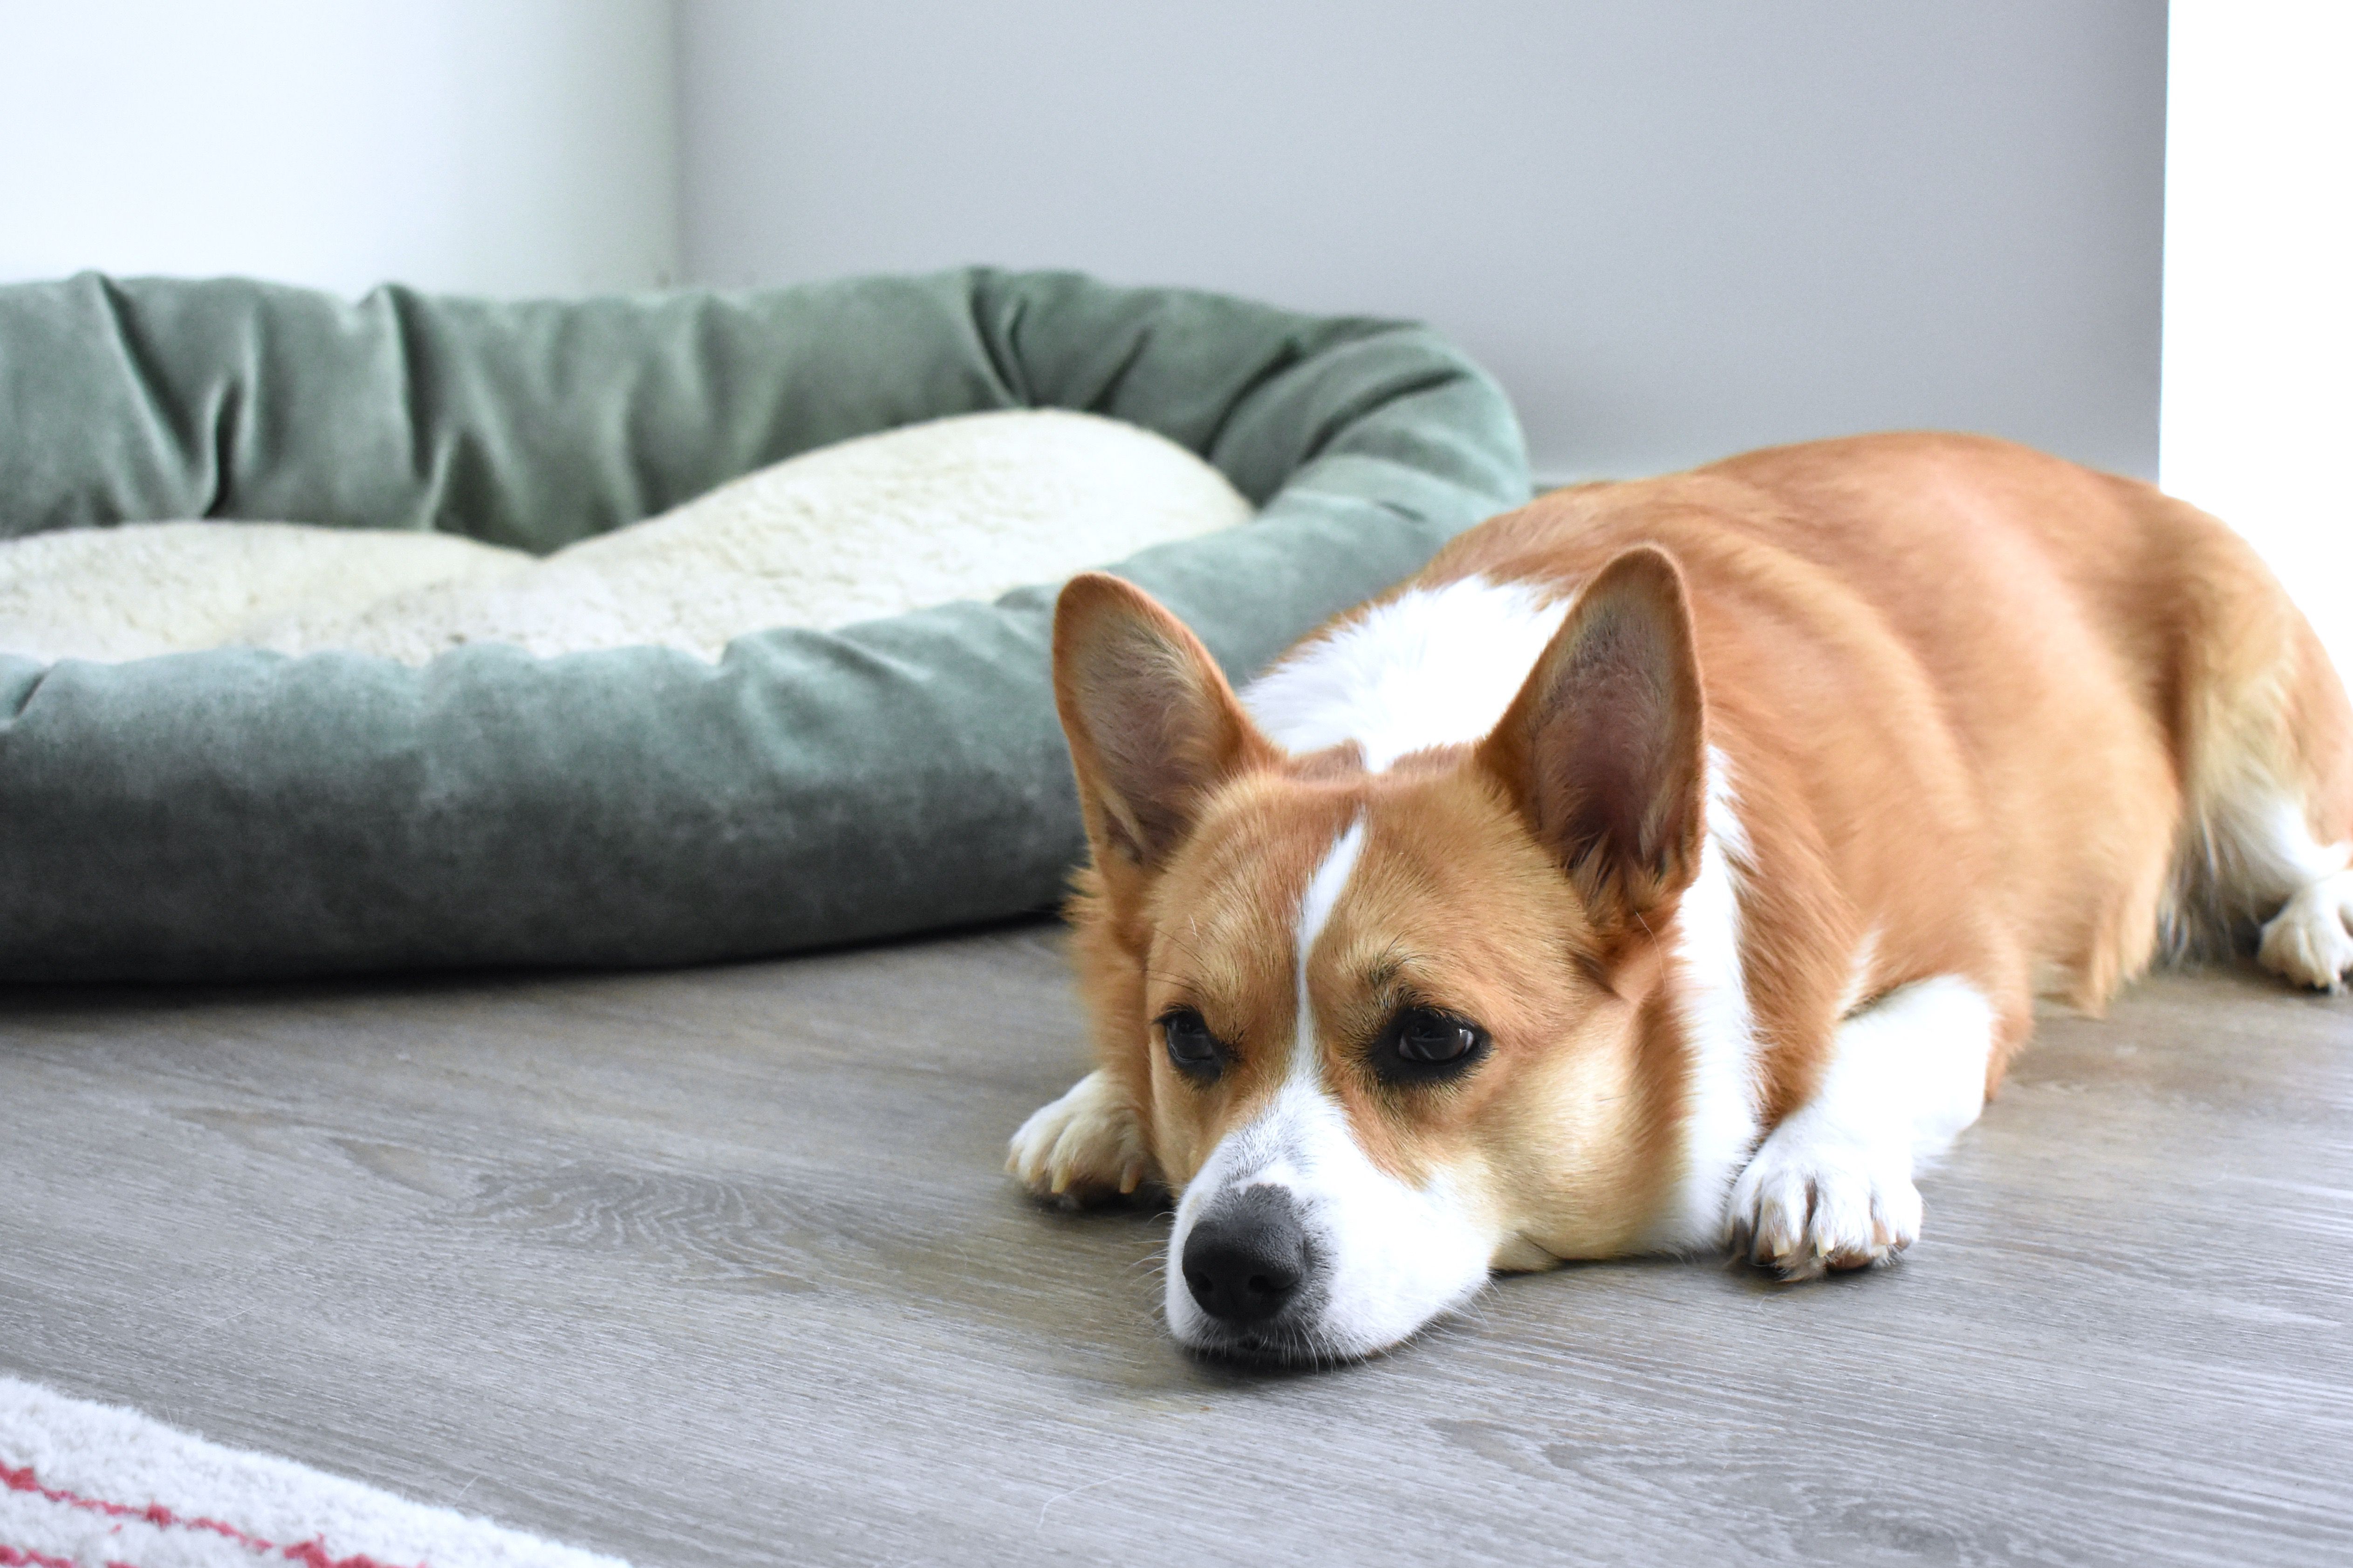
x,y
1988,714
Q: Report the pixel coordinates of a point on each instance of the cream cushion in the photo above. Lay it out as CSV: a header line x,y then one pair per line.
x,y
965,508
144,588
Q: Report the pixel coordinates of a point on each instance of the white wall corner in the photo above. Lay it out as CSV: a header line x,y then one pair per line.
x,y
2256,416
503,147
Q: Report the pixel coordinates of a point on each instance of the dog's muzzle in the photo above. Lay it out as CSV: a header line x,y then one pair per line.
x,y
1247,1256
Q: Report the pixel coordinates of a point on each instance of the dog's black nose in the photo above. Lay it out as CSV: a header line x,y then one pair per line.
x,y
1246,1256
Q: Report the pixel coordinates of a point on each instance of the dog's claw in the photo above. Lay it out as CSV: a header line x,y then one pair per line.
x,y
1082,1147
2310,940
1804,1211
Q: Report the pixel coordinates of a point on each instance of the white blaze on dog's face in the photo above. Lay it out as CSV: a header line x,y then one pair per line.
x,y
1385,1032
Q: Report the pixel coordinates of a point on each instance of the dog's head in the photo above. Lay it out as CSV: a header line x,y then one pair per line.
x,y
1385,1031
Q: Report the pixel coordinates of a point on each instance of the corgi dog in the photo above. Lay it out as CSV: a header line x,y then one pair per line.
x,y
1670,866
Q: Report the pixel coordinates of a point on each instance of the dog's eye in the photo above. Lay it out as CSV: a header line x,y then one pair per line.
x,y
1422,1045
1192,1048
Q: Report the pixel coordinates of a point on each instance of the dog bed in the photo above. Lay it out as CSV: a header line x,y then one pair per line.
x,y
240,811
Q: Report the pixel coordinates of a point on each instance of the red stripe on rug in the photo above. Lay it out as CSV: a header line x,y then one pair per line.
x,y
312,1554
26,1557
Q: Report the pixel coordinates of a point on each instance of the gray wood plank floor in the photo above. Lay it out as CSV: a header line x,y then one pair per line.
x,y
717,1267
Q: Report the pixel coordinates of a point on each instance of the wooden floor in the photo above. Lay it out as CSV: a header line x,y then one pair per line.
x,y
718,1267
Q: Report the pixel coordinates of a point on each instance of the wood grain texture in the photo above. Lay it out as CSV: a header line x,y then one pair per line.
x,y
718,1267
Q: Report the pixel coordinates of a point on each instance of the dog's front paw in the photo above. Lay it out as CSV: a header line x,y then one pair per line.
x,y
1814,1199
1082,1148
2307,942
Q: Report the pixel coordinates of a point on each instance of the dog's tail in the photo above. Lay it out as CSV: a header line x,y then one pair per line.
x,y
2262,733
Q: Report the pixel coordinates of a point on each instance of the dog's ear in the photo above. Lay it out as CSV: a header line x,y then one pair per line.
x,y
1604,750
1151,723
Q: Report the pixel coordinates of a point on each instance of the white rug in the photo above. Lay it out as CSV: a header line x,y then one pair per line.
x,y
89,1486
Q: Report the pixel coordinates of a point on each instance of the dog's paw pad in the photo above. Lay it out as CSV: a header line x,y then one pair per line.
x,y
1805,1207
1084,1146
2307,942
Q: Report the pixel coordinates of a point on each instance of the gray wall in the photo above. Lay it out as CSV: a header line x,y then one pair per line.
x,y
1676,228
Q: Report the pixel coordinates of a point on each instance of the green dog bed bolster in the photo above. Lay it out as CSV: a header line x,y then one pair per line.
x,y
238,813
